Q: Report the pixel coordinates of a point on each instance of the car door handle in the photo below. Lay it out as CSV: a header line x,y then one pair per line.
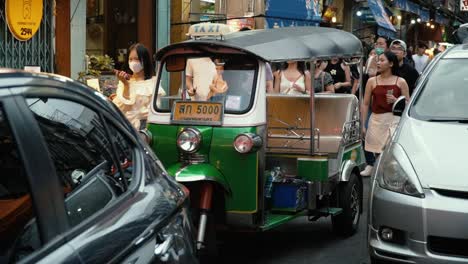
x,y
161,250
144,237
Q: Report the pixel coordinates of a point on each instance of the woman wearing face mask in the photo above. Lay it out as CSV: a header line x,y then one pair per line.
x,y
134,92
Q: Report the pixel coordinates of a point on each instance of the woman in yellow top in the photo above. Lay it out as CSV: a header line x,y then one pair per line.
x,y
134,92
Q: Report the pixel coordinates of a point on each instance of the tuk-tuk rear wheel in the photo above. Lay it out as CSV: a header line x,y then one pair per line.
x,y
350,200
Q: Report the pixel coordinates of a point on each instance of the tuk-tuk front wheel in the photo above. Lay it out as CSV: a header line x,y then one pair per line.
x,y
349,199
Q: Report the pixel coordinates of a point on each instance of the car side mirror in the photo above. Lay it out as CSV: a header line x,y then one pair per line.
x,y
399,106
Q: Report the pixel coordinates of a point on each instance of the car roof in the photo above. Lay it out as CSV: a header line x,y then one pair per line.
x,y
457,52
281,44
13,79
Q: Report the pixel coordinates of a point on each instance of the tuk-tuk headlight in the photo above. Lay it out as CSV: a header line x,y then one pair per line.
x,y
247,142
189,140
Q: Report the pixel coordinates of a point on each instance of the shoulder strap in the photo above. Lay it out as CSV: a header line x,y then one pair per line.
x,y
376,83
397,80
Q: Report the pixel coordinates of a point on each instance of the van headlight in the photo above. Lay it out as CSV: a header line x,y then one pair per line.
x,y
189,140
396,173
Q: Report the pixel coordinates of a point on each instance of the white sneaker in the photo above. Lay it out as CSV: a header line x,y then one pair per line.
x,y
367,171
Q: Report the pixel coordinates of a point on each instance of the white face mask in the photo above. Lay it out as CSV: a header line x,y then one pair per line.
x,y
135,66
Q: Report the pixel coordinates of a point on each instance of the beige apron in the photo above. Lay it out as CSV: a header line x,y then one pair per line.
x,y
381,127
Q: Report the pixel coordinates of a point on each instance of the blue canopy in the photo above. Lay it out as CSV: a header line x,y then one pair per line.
x,y
385,26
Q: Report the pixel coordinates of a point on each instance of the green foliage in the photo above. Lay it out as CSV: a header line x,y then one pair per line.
x,y
97,65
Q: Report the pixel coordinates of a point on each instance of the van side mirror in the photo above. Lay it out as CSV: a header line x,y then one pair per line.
x,y
399,106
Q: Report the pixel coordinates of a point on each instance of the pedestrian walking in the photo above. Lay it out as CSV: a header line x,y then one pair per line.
x,y
420,58
383,90
134,91
405,70
371,71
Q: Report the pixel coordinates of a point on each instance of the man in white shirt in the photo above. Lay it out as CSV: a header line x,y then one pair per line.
x,y
420,59
199,75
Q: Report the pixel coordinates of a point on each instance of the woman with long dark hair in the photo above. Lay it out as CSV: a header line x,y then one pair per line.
x,y
383,89
292,79
134,91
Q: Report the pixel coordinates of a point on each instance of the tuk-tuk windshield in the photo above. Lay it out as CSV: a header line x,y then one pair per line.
x,y
229,79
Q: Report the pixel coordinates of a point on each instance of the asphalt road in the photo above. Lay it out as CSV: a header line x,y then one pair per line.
x,y
299,241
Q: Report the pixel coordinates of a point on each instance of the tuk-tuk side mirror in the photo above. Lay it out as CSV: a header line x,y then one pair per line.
x,y
175,63
399,106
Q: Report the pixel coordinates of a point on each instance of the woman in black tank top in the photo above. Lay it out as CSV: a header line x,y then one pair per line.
x,y
341,75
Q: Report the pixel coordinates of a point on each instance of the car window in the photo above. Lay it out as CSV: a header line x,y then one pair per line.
x,y
82,151
445,92
228,79
16,209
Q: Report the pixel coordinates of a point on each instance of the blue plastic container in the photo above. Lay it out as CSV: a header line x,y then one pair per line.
x,y
289,197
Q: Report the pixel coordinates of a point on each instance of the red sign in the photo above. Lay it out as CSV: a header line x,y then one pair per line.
x,y
237,24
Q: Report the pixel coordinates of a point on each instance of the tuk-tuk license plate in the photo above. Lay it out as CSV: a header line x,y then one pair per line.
x,y
203,113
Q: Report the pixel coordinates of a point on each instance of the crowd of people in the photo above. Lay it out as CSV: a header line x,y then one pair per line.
x,y
388,73
391,71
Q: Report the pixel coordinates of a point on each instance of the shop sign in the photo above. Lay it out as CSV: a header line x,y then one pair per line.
x,y
23,17
464,5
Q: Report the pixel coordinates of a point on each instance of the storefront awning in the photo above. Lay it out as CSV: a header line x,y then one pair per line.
x,y
385,26
414,8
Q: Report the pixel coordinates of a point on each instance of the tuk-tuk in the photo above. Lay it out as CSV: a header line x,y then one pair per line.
x,y
253,160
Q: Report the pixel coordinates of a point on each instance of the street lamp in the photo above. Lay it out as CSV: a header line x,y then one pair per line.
x,y
413,21
359,13
399,17
419,20
432,26
334,19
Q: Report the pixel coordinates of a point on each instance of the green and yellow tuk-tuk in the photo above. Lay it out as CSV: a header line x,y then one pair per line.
x,y
253,160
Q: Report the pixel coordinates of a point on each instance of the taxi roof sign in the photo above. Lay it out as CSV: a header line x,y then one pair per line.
x,y
208,30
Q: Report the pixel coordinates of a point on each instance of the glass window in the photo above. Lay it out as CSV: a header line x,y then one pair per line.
x,y
16,210
83,155
445,93
227,79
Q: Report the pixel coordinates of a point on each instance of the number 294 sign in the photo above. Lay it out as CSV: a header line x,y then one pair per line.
x,y
203,113
23,17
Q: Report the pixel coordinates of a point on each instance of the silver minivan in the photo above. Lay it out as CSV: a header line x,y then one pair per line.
x,y
418,208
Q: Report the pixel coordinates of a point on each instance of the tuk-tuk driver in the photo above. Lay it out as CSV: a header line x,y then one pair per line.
x,y
199,75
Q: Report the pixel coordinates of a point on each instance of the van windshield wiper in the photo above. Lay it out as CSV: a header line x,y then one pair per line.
x,y
449,119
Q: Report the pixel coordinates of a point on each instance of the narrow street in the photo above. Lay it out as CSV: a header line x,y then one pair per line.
x,y
299,242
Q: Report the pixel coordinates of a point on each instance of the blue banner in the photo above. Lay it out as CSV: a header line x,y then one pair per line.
x,y
407,6
381,16
441,19
424,15
290,13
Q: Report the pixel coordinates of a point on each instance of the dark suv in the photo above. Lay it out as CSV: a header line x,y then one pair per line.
x,y
78,184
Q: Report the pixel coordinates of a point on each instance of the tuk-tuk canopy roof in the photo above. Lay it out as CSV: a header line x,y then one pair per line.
x,y
282,44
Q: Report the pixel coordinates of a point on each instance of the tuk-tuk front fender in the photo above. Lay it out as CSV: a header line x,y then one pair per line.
x,y
346,169
198,172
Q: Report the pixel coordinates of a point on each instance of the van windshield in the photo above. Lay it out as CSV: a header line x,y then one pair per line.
x,y
229,79
444,95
